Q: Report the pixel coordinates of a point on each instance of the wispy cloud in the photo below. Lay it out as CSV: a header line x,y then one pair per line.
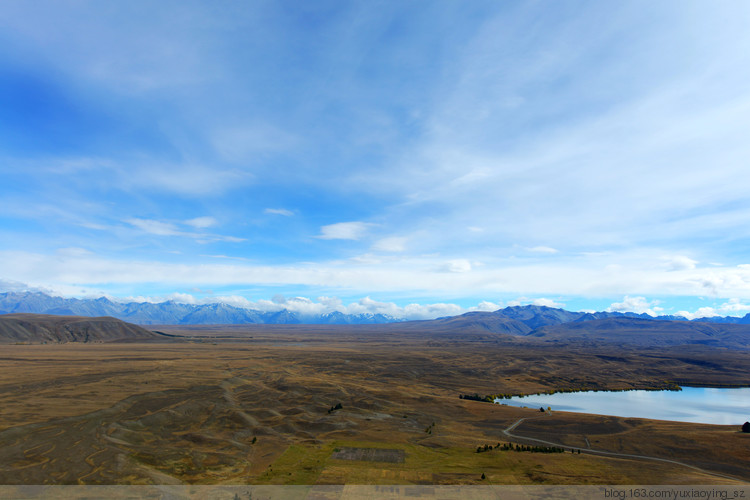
x,y
187,180
278,211
156,227
391,244
543,249
344,231
160,228
202,222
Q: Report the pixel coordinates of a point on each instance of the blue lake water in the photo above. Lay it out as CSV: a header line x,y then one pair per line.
x,y
691,404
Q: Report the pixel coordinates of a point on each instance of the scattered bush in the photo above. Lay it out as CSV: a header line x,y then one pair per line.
x,y
334,408
520,448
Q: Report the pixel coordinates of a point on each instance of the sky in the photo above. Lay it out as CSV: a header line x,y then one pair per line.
x,y
413,158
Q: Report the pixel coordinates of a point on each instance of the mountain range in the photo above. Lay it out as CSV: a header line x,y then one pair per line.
x,y
516,320
559,327
172,313
90,317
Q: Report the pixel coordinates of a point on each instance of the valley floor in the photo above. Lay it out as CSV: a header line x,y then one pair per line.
x,y
261,410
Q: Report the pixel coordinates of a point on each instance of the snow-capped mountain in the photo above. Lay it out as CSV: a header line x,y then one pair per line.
x,y
170,312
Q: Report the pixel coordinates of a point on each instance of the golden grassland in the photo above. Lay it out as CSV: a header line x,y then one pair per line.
x,y
238,406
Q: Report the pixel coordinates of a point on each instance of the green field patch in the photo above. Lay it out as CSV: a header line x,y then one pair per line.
x,y
299,464
357,462
370,455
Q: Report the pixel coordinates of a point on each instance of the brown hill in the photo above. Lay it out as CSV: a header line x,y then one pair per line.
x,y
37,328
470,323
648,333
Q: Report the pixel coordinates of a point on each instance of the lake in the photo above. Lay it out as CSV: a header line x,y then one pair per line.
x,y
691,404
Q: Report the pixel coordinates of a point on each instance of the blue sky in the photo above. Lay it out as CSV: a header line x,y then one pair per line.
x,y
415,158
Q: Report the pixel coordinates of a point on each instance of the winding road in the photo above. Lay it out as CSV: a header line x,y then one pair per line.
x,y
518,422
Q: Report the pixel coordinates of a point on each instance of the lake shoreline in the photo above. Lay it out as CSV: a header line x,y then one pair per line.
x,y
705,405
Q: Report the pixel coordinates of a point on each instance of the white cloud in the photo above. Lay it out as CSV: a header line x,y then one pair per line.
x,y
161,228
543,249
541,301
701,312
278,211
332,303
637,305
231,239
17,286
488,306
366,305
202,222
155,227
367,259
391,244
431,311
73,252
724,281
733,307
547,302
457,266
344,231
181,298
679,263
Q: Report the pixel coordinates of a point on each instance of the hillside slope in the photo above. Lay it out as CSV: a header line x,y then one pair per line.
x,y
37,328
648,333
472,322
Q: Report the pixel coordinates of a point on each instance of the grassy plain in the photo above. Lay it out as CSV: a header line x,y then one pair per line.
x,y
239,405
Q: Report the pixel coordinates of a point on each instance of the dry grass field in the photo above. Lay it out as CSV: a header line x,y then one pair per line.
x,y
254,406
